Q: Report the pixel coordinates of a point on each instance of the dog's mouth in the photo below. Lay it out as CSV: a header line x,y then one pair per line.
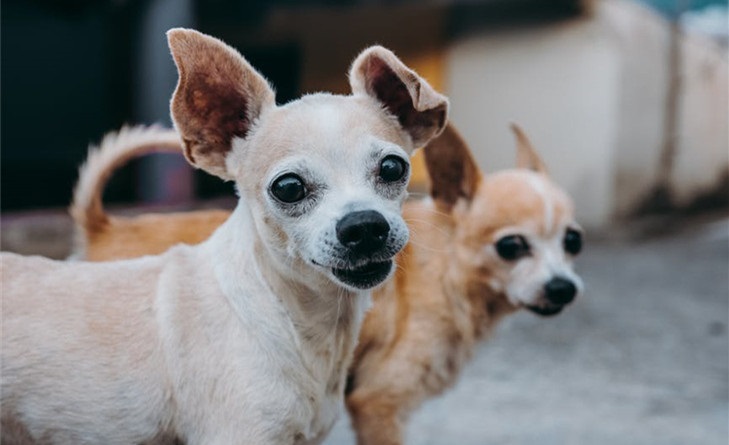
x,y
547,310
364,277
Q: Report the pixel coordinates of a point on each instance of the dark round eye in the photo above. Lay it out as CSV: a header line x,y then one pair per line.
x,y
512,247
392,168
572,241
288,188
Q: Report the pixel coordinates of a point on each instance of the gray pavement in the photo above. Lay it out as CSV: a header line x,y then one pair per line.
x,y
642,359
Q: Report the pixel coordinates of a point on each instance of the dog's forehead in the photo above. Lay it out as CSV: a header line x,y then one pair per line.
x,y
522,198
328,125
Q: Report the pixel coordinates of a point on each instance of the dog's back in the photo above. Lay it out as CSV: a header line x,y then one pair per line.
x,y
47,357
148,234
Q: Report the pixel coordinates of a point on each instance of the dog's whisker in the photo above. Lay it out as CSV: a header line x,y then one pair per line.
x,y
427,247
411,222
418,194
340,297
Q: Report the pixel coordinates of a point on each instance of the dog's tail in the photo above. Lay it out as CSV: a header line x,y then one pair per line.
x,y
115,150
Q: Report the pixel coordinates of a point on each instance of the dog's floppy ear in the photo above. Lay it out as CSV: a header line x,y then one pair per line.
x,y
421,111
218,97
453,172
526,155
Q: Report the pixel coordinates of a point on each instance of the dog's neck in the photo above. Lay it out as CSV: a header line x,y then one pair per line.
x,y
322,315
479,306
487,307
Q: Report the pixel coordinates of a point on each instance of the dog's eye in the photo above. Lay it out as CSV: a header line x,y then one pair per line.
x,y
392,168
572,241
512,247
288,188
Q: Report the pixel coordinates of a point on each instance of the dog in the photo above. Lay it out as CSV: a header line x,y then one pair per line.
x,y
482,247
245,338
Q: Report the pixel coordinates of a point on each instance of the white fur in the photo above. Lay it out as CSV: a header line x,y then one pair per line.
x,y
540,188
524,279
548,260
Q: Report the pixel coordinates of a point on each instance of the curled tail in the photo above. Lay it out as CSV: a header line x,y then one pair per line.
x,y
115,150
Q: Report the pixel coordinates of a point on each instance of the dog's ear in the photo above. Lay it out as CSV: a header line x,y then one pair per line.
x,y
218,97
421,111
526,155
453,172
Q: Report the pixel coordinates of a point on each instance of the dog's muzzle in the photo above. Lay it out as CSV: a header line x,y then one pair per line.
x,y
364,235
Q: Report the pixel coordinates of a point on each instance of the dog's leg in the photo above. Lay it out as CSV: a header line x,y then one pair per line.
x,y
378,418
13,432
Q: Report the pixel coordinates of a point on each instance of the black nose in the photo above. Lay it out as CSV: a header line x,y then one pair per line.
x,y
364,232
560,291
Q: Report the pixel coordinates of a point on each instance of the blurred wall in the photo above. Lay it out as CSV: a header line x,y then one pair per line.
x,y
702,134
703,154
592,94
559,82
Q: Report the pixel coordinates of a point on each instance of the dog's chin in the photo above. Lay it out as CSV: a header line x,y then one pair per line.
x,y
545,310
364,277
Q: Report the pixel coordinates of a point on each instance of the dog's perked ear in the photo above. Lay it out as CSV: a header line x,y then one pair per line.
x,y
453,172
526,155
218,97
421,111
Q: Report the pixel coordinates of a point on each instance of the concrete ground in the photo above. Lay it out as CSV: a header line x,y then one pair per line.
x,y
642,359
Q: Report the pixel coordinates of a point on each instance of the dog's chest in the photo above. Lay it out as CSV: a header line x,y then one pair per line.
x,y
281,394
325,414
328,359
289,357
328,381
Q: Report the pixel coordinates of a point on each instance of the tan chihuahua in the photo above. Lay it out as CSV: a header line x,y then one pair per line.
x,y
245,338
481,247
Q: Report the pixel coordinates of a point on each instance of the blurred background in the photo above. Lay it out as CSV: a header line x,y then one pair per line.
x,y
627,101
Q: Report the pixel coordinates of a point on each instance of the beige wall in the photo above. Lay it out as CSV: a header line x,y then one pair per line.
x,y
559,83
702,157
703,149
591,93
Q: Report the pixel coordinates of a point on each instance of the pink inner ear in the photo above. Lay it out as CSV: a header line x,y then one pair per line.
x,y
215,112
391,91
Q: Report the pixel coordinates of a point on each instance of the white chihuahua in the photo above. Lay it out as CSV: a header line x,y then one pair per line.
x,y
247,337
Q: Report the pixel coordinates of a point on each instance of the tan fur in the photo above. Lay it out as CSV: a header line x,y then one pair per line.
x,y
151,234
245,338
526,156
426,321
